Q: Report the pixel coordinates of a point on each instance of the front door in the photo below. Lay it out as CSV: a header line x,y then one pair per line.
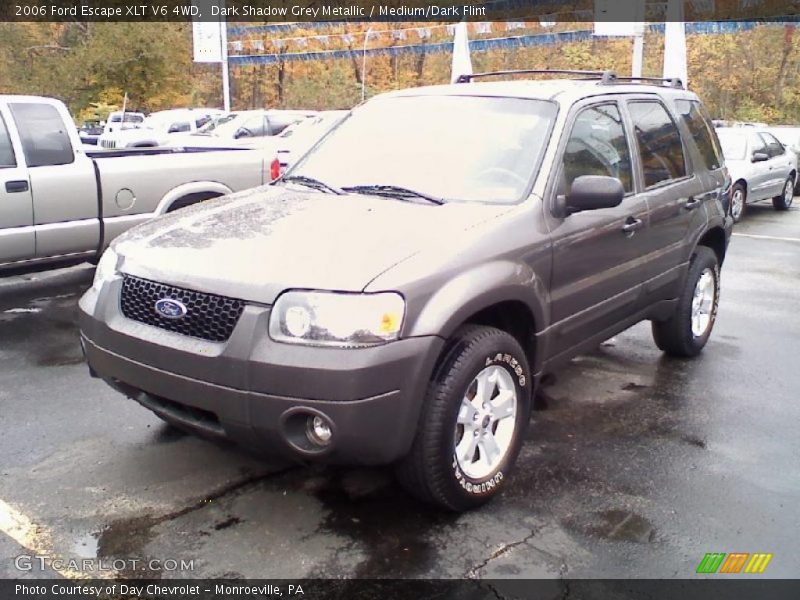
x,y
17,237
780,164
598,264
65,214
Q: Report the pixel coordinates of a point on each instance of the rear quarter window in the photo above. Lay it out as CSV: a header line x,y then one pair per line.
x,y
693,115
45,141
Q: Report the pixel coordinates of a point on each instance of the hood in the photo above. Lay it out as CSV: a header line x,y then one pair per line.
x,y
255,244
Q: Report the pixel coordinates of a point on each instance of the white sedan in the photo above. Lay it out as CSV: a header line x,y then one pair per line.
x,y
760,166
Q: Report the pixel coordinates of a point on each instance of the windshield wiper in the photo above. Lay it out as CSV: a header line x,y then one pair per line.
x,y
392,191
313,183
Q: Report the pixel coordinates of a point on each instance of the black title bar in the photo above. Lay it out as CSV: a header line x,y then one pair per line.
x,y
547,11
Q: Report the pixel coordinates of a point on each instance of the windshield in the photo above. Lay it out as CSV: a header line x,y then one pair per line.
x,y
224,126
734,145
788,136
466,148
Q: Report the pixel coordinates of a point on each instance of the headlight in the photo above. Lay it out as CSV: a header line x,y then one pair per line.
x,y
106,269
333,319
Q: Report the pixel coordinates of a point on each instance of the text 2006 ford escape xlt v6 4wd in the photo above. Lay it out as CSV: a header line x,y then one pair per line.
x,y
397,295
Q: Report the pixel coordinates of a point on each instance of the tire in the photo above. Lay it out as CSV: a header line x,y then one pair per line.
x,y
784,201
432,471
686,333
738,202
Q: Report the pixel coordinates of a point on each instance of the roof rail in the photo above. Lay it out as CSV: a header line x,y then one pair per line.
x,y
603,76
675,82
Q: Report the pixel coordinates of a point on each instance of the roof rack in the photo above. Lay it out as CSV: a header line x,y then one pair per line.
x,y
604,77
675,82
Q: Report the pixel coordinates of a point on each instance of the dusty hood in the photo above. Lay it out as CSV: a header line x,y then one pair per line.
x,y
255,244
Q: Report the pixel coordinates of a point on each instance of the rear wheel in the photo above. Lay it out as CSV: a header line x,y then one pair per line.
x,y
472,423
738,202
686,333
784,201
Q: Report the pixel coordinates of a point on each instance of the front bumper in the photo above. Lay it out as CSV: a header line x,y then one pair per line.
x,y
260,393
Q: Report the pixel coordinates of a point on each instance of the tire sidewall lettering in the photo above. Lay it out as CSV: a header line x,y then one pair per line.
x,y
490,484
511,364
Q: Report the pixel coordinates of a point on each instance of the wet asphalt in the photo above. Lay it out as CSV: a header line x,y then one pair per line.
x,y
635,465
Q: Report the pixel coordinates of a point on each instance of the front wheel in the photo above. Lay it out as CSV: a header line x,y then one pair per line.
x,y
686,332
784,201
472,423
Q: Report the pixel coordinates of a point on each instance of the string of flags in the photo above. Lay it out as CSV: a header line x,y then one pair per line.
x,y
476,45
421,33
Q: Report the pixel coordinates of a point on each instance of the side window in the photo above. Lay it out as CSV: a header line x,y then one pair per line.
x,y
7,158
202,121
774,147
702,131
253,127
180,127
597,146
45,141
758,145
659,142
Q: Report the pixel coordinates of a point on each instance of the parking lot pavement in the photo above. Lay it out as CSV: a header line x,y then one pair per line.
x,y
635,465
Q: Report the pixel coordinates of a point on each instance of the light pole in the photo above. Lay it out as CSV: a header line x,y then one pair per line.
x,y
364,66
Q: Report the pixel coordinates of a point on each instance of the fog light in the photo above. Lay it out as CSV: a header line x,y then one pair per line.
x,y
318,431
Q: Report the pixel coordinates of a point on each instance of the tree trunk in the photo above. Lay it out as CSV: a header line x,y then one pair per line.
x,y
788,39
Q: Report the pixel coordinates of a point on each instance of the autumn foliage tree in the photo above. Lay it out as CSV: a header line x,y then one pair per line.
x,y
747,75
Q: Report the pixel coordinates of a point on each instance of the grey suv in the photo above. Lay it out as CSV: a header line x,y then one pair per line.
x,y
397,296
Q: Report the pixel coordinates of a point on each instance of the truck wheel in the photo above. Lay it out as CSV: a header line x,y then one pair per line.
x,y
784,201
687,331
472,424
738,202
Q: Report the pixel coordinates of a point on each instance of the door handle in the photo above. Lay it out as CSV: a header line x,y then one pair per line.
x,y
632,225
692,203
16,186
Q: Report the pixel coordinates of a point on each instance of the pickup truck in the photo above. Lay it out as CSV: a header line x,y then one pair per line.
x,y
59,203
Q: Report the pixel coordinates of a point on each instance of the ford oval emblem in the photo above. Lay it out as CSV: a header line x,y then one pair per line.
x,y
171,309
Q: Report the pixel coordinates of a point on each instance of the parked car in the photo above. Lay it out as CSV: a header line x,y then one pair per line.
x,y
399,302
89,132
158,127
59,203
298,138
119,120
790,137
242,129
760,166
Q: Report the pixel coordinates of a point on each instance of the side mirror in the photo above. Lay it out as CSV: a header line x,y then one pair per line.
x,y
591,192
760,157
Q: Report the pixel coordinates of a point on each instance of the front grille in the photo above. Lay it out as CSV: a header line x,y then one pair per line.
x,y
208,316
108,143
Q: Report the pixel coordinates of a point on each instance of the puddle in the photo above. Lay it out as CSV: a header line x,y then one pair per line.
x,y
367,506
85,546
229,522
613,525
125,537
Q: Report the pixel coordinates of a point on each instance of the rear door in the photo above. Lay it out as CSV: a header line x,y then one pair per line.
x,y
598,263
676,188
62,181
17,238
